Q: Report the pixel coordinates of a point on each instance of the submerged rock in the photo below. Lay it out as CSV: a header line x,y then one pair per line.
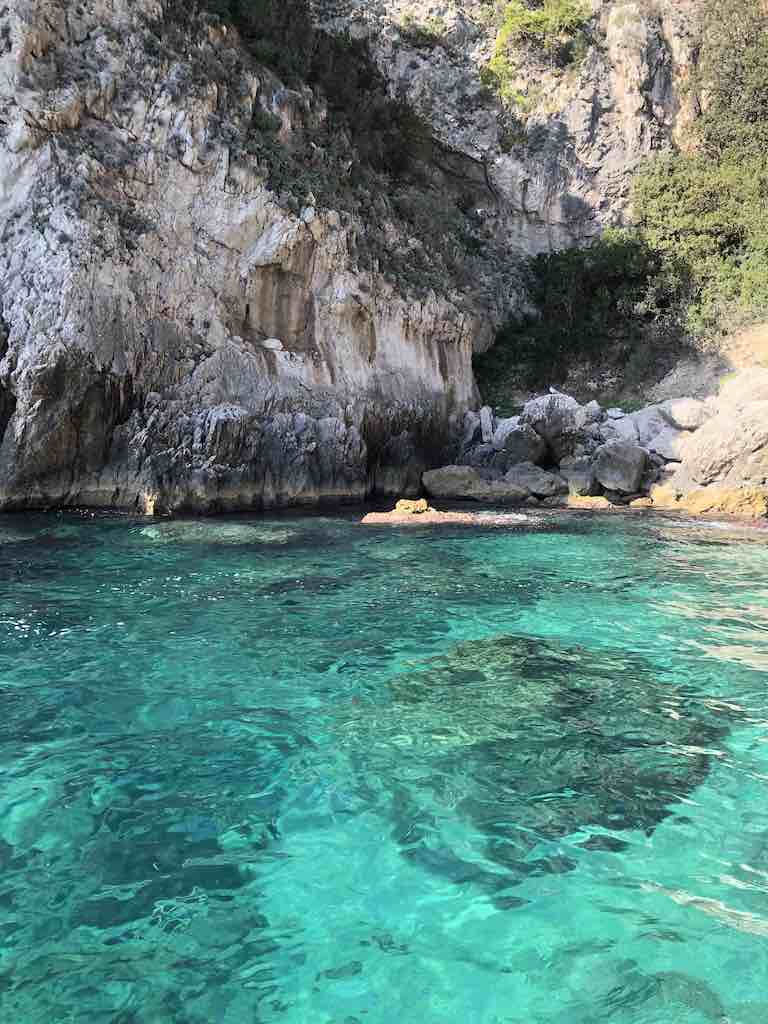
x,y
529,716
212,532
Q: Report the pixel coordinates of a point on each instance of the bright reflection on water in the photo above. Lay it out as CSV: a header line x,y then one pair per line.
x,y
296,770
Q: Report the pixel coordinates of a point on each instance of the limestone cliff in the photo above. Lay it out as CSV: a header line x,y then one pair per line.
x,y
182,327
560,161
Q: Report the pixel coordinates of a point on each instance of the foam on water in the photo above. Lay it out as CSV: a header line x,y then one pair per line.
x,y
295,770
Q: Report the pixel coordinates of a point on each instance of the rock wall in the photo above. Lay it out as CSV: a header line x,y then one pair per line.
x,y
175,334
560,164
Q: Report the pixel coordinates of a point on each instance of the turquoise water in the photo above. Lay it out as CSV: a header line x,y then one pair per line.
x,y
297,770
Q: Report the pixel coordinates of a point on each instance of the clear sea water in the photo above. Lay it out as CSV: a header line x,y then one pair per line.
x,y
293,769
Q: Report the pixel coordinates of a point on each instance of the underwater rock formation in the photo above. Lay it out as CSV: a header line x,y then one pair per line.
x,y
555,740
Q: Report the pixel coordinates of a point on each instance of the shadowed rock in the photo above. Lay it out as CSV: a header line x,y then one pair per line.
x,y
620,466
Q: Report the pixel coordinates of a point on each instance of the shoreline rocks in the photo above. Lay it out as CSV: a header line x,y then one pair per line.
x,y
412,513
681,454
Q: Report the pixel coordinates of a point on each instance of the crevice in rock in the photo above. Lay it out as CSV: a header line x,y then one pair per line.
x,y
7,409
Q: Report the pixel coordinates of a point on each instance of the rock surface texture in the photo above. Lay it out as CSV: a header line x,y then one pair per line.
x,y
685,455
172,335
180,330
589,127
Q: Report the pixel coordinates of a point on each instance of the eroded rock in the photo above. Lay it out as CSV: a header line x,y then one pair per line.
x,y
745,502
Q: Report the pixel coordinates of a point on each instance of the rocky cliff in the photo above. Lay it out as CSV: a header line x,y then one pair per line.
x,y
188,323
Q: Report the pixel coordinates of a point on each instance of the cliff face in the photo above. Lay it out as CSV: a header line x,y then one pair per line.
x,y
562,172
178,331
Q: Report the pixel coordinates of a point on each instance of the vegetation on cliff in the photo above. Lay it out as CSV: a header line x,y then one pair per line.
x,y
696,262
706,210
552,31
367,154
608,301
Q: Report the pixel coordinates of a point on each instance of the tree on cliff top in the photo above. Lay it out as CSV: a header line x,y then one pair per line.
x,y
709,209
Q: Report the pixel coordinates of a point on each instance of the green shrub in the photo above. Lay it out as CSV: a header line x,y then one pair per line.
x,y
587,302
426,34
733,78
709,208
554,30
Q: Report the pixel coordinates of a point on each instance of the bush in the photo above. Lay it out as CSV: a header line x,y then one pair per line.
x,y
709,209
279,33
554,30
423,34
588,302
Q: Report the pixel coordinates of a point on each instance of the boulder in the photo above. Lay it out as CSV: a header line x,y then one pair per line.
x,y
486,423
479,455
731,448
686,413
557,418
641,503
588,502
588,440
471,430
593,412
411,507
501,492
622,428
579,474
451,481
649,422
504,427
536,481
465,482
668,444
619,466
519,442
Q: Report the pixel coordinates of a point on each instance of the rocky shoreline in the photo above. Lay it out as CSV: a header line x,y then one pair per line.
x,y
688,455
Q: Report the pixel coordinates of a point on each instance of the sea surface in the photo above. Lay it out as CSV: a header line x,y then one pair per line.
x,y
292,769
